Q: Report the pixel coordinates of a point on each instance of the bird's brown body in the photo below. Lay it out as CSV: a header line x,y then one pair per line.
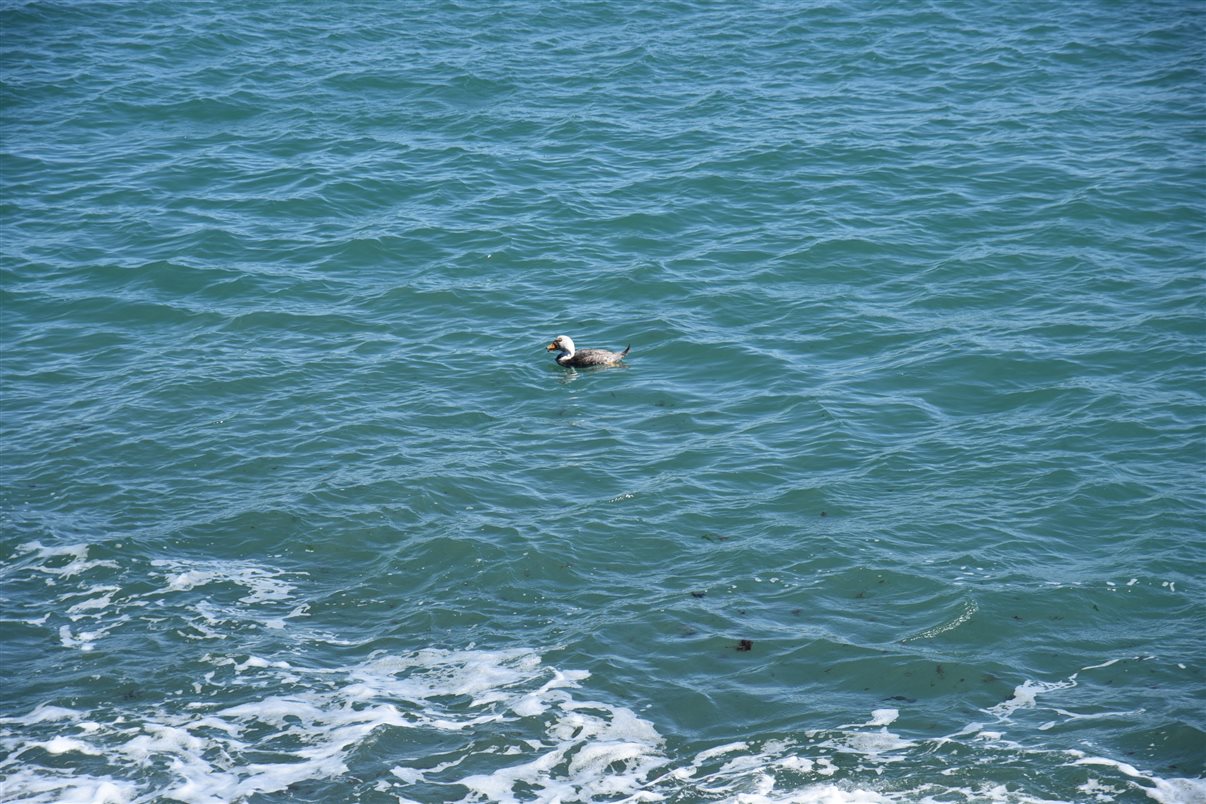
x,y
570,357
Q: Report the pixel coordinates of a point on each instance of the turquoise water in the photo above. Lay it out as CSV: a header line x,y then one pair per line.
x,y
296,507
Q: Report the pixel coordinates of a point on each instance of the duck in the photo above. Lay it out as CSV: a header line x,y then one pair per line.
x,y
570,357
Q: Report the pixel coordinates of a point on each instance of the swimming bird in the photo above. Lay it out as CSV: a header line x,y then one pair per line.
x,y
582,358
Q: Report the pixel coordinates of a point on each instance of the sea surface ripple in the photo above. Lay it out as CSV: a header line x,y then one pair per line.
x,y
898,497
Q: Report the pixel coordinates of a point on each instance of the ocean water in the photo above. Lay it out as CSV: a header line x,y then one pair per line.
x,y
899,496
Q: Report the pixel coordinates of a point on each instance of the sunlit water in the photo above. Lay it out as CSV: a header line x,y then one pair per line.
x,y
899,496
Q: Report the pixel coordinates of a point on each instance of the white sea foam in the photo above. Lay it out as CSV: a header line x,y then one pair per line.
x,y
92,605
63,745
704,756
1097,666
1026,695
235,592
1165,791
76,554
970,607
519,729
883,717
43,713
37,788
84,640
522,731
262,584
560,744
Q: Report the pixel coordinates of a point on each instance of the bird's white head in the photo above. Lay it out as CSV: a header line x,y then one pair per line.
x,y
562,343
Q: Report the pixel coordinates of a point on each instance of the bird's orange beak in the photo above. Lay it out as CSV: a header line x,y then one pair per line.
x,y
552,347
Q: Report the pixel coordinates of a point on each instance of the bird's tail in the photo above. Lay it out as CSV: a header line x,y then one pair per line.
x,y
626,348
